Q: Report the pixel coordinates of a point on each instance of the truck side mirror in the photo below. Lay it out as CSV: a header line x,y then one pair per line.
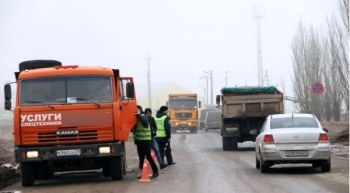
x,y
8,105
130,90
218,99
167,103
8,92
199,104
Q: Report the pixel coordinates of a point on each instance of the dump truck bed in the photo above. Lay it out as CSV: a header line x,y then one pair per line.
x,y
242,102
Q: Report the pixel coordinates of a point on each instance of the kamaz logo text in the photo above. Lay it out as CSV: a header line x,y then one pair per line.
x,y
69,132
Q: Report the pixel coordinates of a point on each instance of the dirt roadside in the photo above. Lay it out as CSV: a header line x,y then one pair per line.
x,y
338,136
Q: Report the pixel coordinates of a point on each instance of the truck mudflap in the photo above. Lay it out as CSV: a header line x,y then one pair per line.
x,y
230,132
30,154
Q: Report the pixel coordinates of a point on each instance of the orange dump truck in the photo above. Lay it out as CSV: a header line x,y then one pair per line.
x,y
183,112
70,118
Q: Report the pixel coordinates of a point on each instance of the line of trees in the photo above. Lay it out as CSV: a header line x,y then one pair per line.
x,y
322,55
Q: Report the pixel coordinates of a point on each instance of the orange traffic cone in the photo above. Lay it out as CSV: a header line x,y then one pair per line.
x,y
154,156
145,172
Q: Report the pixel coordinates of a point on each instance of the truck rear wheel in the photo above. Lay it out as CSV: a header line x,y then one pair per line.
x,y
117,168
226,143
234,143
27,175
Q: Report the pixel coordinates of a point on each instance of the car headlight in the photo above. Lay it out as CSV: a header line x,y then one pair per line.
x,y
32,154
104,150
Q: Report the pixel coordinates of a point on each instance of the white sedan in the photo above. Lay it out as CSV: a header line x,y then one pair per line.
x,y
292,138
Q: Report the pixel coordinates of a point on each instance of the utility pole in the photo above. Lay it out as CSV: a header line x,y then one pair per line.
x,y
207,89
210,73
258,16
204,98
149,80
226,80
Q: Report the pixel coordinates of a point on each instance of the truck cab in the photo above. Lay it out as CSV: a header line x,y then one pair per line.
x,y
69,118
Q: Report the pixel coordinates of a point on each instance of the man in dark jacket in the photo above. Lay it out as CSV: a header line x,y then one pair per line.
x,y
154,145
164,134
143,138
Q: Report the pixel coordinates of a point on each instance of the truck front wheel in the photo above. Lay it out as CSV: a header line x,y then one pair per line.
x,y
27,175
117,168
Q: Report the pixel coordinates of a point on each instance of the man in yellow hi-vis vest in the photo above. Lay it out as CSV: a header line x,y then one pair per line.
x,y
143,137
163,134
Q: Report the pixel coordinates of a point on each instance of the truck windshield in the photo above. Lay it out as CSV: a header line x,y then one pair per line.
x,y
65,89
179,103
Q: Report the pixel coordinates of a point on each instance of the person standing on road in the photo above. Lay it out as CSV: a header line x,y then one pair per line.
x,y
143,137
154,145
164,134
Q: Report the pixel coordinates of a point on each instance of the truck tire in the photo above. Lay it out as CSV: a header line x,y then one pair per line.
x,y
117,168
225,143
173,131
193,130
27,175
234,143
35,64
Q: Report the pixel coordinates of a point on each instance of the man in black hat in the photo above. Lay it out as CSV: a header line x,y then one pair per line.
x,y
164,134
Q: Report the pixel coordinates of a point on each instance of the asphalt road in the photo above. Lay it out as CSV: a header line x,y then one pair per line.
x,y
202,166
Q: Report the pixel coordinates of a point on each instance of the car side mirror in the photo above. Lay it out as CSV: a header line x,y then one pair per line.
x,y
130,90
253,132
325,130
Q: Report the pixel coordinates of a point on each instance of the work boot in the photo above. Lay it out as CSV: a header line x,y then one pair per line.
x,y
155,175
172,164
139,174
163,166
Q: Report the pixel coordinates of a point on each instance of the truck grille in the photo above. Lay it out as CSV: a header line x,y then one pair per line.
x,y
183,115
82,136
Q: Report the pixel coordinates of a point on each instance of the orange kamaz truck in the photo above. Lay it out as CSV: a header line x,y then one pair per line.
x,y
70,117
183,112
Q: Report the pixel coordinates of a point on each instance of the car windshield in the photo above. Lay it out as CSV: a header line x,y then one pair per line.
x,y
204,112
179,103
214,116
293,122
65,89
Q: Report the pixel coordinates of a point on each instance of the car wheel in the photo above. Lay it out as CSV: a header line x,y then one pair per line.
x,y
257,163
263,167
326,166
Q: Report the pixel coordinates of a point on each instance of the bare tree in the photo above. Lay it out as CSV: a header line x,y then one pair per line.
x,y
307,52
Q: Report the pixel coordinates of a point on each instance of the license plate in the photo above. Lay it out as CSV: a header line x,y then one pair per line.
x,y
69,152
297,153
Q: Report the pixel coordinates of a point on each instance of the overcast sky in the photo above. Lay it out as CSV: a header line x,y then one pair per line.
x,y
184,37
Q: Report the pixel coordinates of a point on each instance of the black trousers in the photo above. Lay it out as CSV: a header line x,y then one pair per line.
x,y
162,145
144,151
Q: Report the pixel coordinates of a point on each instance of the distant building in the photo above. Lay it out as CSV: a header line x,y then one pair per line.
x,y
159,94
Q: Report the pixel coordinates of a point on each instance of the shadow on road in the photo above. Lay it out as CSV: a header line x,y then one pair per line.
x,y
288,169
95,177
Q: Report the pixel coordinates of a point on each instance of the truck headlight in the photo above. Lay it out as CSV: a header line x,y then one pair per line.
x,y
176,123
104,150
189,123
32,154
